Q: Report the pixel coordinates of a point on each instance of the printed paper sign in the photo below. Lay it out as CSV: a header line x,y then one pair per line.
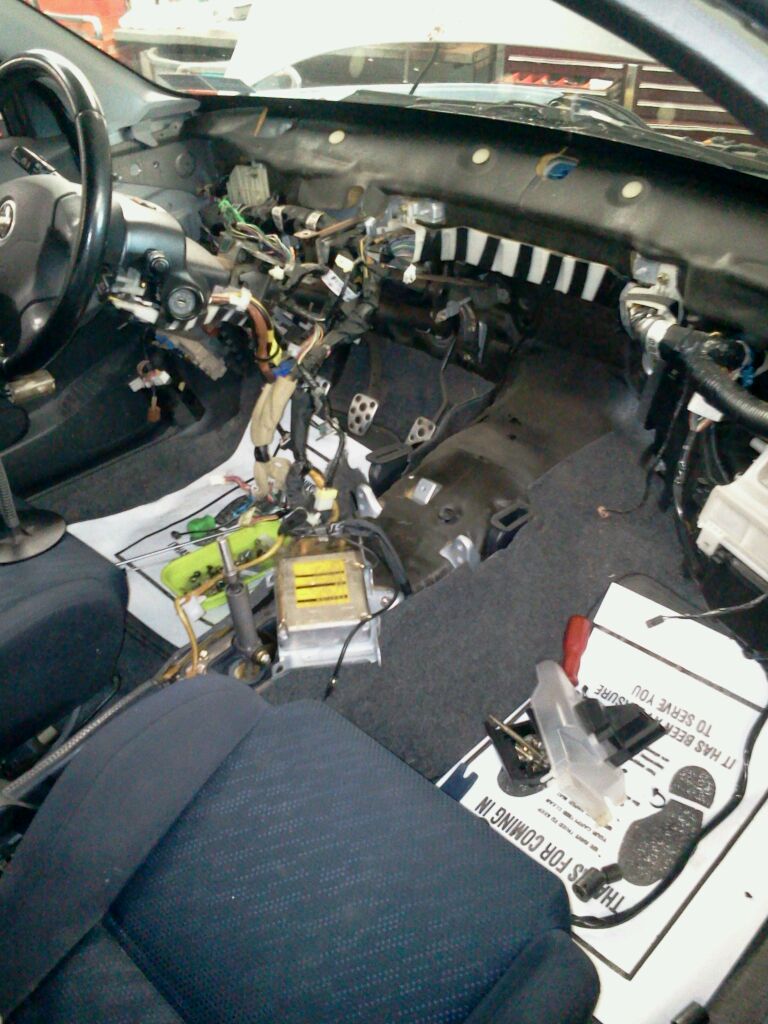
x,y
673,789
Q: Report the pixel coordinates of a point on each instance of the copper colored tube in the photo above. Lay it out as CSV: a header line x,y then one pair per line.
x,y
261,332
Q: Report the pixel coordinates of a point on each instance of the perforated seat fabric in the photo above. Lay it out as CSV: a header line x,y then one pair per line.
x,y
99,982
61,625
316,879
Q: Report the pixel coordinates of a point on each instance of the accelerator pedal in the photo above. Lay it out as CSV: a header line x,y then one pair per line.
x,y
421,431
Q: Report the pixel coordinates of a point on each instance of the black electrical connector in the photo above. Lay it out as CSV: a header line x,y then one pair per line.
x,y
520,751
694,1013
594,880
301,418
624,728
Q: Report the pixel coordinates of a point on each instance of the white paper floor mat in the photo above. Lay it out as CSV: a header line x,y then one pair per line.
x,y
707,695
149,527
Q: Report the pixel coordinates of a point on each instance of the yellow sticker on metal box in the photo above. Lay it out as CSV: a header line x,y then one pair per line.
x,y
321,582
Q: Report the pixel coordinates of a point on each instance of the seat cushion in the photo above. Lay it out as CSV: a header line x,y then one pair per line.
x,y
61,625
317,878
98,984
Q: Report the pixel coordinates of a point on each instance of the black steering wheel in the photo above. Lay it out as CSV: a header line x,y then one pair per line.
x,y
52,231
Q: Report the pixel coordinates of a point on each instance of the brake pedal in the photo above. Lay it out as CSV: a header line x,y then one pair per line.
x,y
362,410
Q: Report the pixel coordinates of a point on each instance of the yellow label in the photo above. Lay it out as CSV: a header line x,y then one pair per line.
x,y
320,567
321,582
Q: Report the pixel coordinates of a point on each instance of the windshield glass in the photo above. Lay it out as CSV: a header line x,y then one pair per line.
x,y
530,59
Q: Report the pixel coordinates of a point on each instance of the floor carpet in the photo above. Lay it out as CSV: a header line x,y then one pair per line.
x,y
469,644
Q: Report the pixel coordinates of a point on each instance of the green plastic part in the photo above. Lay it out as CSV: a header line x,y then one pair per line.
x,y
188,571
228,210
202,525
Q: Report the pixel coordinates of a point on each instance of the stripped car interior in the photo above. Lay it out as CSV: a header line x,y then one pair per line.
x,y
384,487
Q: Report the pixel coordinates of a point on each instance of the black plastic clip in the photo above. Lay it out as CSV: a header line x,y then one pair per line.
x,y
624,727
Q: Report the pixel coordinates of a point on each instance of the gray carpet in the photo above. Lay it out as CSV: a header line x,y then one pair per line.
x,y
469,645
149,473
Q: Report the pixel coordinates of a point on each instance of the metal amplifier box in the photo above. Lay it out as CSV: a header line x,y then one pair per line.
x,y
323,591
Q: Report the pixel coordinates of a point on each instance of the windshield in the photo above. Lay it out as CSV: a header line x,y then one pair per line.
x,y
529,59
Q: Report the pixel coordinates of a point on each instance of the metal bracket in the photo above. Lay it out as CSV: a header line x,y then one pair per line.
x,y
452,308
362,410
368,505
318,389
421,431
461,551
143,132
423,491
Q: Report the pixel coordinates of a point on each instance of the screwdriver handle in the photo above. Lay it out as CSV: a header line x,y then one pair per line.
x,y
574,644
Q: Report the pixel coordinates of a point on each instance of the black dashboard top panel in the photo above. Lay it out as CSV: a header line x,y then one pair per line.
x,y
619,199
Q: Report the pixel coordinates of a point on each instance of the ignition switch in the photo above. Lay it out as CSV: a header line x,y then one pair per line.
x,y
184,302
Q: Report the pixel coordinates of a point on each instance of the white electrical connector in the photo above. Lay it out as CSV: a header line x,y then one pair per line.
x,y
735,517
324,498
699,406
248,184
129,284
241,299
344,263
193,606
334,283
238,298
140,310
152,379
409,274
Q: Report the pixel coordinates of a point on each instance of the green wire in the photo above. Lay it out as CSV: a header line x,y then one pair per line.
x,y
228,210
